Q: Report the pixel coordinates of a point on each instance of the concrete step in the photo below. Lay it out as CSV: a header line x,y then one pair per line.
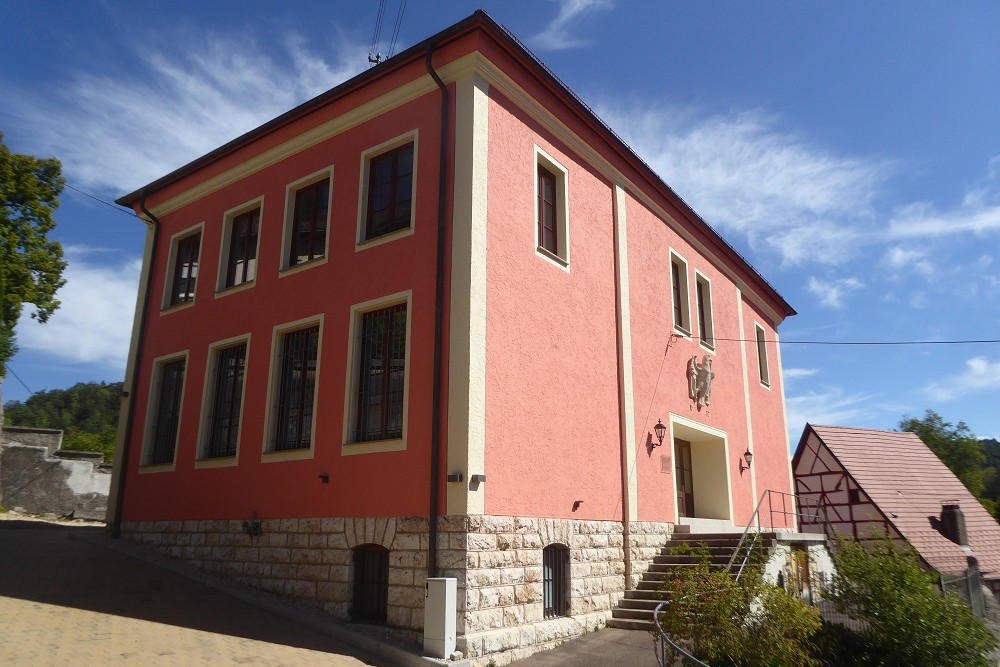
x,y
635,614
638,603
630,624
644,594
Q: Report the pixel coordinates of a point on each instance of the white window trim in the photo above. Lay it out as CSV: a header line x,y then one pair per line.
x,y
207,396
277,345
224,246
286,231
360,243
350,448
709,343
684,328
168,282
760,345
561,257
152,400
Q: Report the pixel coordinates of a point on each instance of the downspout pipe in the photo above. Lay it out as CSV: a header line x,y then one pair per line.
x,y
154,224
435,462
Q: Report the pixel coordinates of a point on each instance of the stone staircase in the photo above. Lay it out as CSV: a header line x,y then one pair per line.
x,y
635,610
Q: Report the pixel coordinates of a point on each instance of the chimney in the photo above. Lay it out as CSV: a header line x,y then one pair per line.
x,y
953,523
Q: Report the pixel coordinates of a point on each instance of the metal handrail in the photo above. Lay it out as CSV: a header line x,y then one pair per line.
x,y
661,656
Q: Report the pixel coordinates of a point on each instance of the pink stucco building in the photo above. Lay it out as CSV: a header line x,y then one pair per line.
x,y
425,324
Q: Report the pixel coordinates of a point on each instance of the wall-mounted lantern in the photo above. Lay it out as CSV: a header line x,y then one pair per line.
x,y
748,457
660,431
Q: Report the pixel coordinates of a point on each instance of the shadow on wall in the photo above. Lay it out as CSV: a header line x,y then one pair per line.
x,y
38,477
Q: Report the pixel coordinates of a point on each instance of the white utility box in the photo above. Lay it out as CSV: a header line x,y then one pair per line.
x,y
440,616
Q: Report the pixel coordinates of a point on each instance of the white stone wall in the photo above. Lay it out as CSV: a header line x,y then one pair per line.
x,y
497,562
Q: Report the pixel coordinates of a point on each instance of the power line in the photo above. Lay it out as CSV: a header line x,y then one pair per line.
x,y
395,30
373,56
9,368
862,342
118,208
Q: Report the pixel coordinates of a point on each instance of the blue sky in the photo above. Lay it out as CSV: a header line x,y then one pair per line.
x,y
850,150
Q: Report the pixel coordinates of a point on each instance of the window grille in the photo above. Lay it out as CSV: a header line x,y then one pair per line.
x,y
293,429
382,341
224,420
555,566
390,192
371,583
167,416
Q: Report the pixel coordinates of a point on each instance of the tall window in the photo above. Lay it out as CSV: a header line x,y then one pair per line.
x,y
765,377
185,273
679,293
703,299
226,401
296,389
241,264
371,583
548,236
309,222
390,192
166,413
381,373
555,571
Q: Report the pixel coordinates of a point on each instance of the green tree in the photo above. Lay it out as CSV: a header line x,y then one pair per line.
x,y
955,445
31,264
86,412
907,622
723,621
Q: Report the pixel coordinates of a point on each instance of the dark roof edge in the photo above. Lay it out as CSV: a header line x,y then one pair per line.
x,y
479,17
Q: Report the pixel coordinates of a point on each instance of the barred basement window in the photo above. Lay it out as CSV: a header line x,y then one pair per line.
x,y
381,372
296,389
555,580
166,413
227,401
371,584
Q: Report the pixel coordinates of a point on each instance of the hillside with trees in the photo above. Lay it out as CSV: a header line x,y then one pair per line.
x,y
87,413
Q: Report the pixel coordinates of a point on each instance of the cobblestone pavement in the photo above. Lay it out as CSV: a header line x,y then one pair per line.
x,y
65,600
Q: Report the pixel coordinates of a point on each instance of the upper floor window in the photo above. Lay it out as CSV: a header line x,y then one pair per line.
x,y
389,199
765,377
551,209
241,248
679,293
184,269
308,217
165,411
703,303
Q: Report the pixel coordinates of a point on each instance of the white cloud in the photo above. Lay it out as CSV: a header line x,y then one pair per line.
x,y
746,175
830,406
114,131
831,293
556,36
94,323
898,258
794,373
980,375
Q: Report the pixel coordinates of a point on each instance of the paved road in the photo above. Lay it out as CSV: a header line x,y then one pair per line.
x,y
65,600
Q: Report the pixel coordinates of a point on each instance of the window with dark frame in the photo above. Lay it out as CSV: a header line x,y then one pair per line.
x,y
555,568
675,285
371,584
390,192
241,265
762,357
548,235
227,400
185,275
166,416
703,296
309,222
381,372
296,389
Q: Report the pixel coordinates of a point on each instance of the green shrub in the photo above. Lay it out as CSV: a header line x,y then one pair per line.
x,y
722,621
908,622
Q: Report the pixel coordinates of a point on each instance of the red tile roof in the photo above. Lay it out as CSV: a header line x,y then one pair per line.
x,y
908,483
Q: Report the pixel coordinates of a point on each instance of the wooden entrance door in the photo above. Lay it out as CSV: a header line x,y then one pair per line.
x,y
685,481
